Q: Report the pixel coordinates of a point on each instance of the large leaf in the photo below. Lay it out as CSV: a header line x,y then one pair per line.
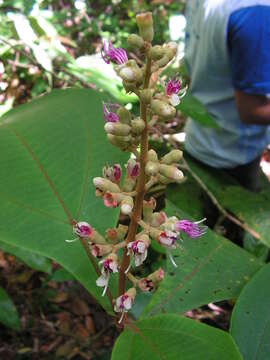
x,y
35,261
250,324
254,210
171,337
210,268
49,151
8,312
191,107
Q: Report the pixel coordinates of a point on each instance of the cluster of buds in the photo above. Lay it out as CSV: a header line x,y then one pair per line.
x,y
125,248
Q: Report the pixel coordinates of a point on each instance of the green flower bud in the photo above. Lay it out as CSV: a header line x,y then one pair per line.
x,y
157,52
123,142
137,126
165,181
171,172
148,208
117,128
96,238
158,218
116,235
129,86
151,168
129,184
145,25
105,185
163,109
135,41
152,156
124,115
127,205
131,72
172,157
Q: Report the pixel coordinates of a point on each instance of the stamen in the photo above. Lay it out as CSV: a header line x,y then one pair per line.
x,y
172,259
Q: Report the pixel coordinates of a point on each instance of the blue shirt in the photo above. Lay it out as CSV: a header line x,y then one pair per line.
x,y
227,48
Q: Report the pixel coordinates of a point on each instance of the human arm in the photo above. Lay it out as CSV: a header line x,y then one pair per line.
x,y
252,109
249,45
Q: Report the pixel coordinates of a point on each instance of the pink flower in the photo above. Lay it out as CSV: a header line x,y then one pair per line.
x,y
192,229
133,168
109,112
124,302
172,89
168,239
82,229
115,55
146,285
109,265
112,173
110,200
138,249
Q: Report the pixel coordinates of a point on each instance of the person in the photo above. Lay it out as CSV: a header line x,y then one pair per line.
x,y
227,56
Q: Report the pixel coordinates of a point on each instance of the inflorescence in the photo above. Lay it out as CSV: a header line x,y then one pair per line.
x,y
130,189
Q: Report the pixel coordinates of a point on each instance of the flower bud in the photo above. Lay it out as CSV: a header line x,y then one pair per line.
x,y
151,168
112,173
133,168
118,234
146,95
172,157
129,184
148,207
158,218
131,72
96,238
157,52
124,115
165,181
137,126
156,277
105,185
117,128
112,199
171,172
127,205
145,25
162,109
152,156
99,250
135,41
171,49
82,229
129,86
123,142
163,61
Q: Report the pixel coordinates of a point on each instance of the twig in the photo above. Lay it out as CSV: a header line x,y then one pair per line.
x,y
214,200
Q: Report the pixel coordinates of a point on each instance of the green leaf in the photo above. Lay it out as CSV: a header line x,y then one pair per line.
x,y
50,150
254,210
191,107
61,275
250,325
35,261
210,269
172,337
8,311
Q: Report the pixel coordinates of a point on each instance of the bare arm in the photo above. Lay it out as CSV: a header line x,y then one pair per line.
x,y
253,109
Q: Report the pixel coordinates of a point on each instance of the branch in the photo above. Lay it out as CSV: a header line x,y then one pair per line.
x,y
214,200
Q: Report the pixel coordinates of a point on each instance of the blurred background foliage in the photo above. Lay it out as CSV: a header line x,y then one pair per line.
x,y
56,44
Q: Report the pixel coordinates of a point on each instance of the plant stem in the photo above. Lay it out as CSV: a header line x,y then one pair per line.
x,y
140,188
214,200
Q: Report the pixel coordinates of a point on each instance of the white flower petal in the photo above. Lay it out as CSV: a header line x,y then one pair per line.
x,y
102,280
174,100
